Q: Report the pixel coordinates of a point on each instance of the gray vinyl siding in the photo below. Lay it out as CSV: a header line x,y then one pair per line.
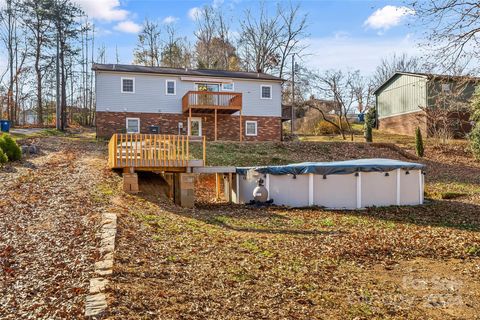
x,y
404,94
460,95
150,96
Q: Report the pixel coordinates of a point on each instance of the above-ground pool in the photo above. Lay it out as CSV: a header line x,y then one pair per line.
x,y
350,184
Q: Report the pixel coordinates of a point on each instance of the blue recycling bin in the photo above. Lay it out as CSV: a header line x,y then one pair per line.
x,y
361,117
5,125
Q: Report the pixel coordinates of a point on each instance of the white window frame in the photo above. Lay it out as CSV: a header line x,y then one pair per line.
x,y
246,128
174,87
126,124
446,87
227,90
199,119
121,84
261,91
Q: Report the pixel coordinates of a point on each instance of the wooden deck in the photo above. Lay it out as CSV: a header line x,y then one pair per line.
x,y
153,152
213,103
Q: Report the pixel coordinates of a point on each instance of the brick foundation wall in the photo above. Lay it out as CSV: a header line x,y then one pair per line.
x,y
405,124
228,126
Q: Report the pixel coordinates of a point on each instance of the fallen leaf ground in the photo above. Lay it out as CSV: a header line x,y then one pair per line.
x,y
222,261
48,226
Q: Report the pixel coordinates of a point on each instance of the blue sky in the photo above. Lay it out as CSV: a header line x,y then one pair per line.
x,y
344,34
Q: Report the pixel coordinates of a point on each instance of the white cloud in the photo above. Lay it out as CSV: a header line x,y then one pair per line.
x,y
128,26
387,17
107,10
347,53
170,20
194,13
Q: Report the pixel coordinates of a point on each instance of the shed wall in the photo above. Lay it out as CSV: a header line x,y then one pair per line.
x,y
402,95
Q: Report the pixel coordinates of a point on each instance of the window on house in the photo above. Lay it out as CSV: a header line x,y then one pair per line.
x,y
446,87
227,86
170,87
251,128
266,92
128,85
133,125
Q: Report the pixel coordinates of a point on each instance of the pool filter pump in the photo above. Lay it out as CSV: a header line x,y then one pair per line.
x,y
260,193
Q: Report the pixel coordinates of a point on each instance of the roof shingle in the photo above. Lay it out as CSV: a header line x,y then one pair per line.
x,y
184,72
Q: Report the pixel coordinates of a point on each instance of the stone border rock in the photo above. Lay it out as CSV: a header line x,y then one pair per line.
x,y
96,301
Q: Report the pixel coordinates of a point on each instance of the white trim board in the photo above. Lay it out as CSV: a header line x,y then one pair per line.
x,y
400,114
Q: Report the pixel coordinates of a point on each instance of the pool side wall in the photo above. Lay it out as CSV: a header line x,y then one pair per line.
x,y
348,191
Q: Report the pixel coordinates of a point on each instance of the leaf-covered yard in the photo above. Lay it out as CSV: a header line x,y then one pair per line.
x,y
222,261
48,223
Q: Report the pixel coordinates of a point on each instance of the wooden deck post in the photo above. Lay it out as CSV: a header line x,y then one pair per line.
x,y
217,187
215,124
189,125
230,188
241,133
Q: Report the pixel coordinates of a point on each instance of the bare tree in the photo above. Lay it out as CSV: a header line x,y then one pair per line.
x,y
259,40
452,29
205,33
336,86
213,47
448,106
362,89
148,50
294,26
389,65
175,53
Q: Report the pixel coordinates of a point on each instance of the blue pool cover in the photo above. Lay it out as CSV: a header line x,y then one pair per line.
x,y
336,167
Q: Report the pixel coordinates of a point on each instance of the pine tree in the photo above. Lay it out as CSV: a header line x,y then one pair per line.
x,y
369,124
419,143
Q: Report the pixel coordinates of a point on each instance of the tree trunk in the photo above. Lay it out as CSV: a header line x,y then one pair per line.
x,y
38,73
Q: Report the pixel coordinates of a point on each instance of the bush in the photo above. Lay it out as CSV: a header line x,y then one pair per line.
x,y
474,138
3,158
419,143
324,127
10,148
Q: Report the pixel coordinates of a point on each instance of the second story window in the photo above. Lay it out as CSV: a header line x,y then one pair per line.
x,y
128,85
227,86
170,87
266,92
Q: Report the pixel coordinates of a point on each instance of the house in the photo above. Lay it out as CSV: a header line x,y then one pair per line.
x,y
409,100
221,105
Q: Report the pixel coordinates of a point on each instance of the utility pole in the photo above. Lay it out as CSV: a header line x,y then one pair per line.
x,y
292,126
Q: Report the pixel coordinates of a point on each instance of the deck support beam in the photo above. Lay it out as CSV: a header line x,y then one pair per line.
x,y
217,186
189,125
215,124
184,189
241,133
